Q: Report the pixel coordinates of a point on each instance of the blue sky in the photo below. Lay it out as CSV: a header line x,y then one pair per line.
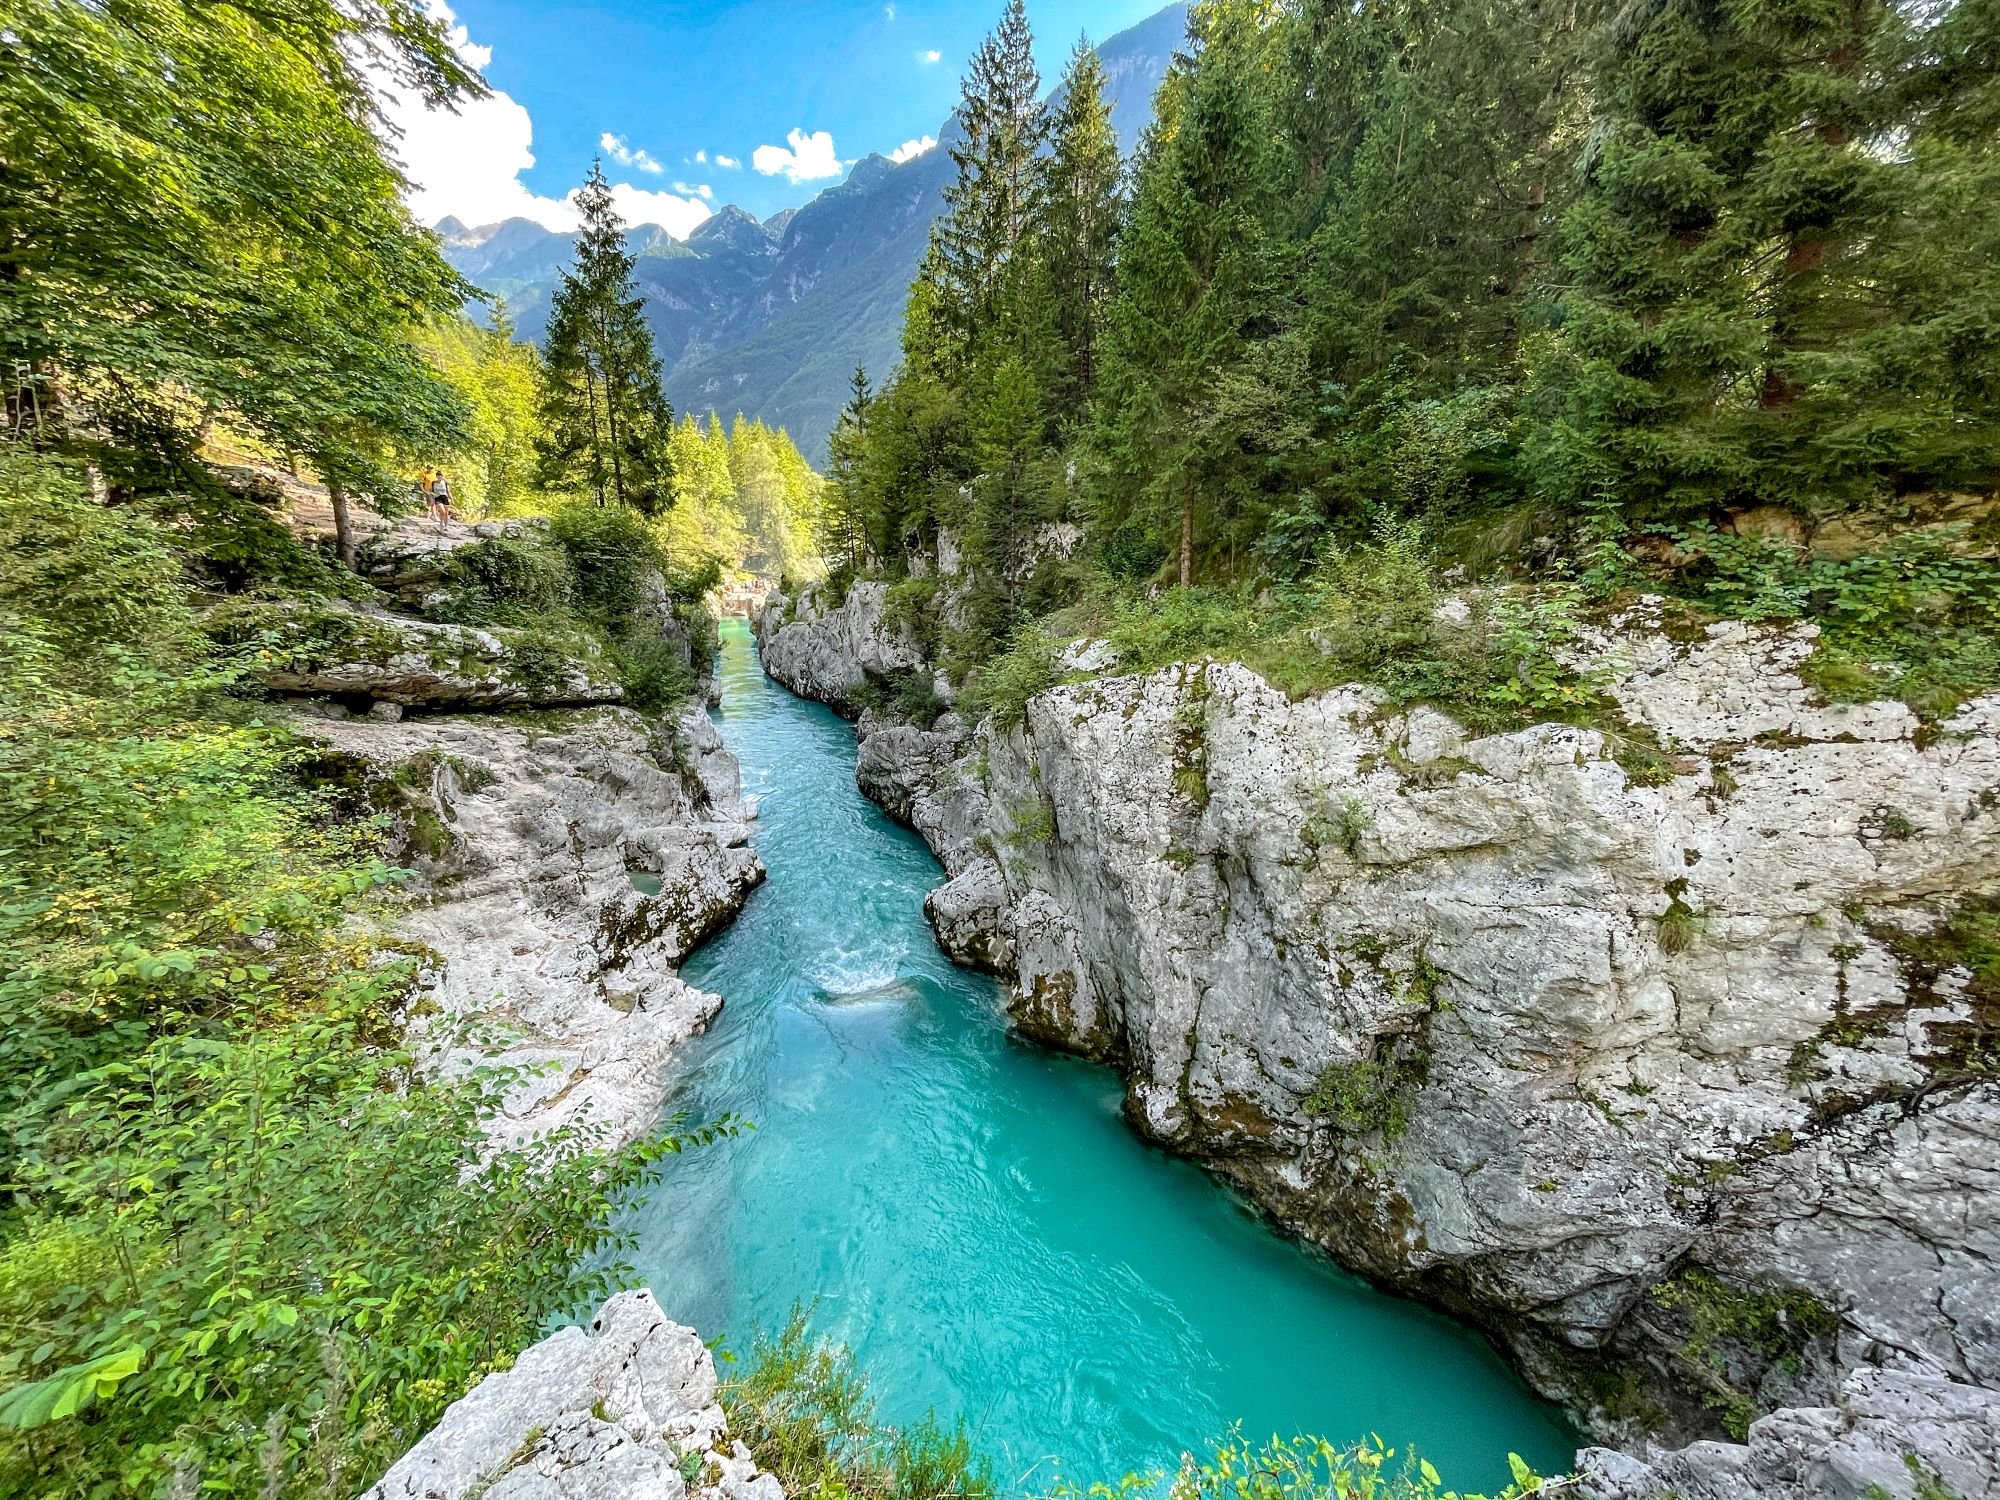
x,y
697,103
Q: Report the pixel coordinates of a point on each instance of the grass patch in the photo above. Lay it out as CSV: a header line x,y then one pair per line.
x,y
805,1414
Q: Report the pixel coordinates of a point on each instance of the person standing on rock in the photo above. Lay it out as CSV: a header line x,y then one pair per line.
x,y
440,498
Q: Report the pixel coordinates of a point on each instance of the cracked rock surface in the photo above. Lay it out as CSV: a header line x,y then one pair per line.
x,y
1664,1080
626,1408
565,872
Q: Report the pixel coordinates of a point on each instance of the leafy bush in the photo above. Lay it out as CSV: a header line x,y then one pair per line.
x,y
1004,685
1309,1468
910,606
655,672
251,1247
506,581
805,1414
97,580
1916,620
611,551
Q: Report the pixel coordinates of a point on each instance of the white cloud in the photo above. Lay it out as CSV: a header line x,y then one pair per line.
x,y
701,156
810,158
615,147
727,161
469,163
679,216
698,190
914,148
932,56
889,11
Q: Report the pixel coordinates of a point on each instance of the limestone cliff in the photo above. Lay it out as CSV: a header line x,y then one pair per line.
x,y
627,1408
1684,1090
565,869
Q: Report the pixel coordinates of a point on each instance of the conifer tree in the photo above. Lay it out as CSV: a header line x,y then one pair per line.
x,y
843,519
602,408
990,204
1080,214
1194,371
1783,246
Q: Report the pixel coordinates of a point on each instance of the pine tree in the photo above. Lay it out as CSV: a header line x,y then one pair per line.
x,y
1784,243
990,204
1081,206
843,519
602,408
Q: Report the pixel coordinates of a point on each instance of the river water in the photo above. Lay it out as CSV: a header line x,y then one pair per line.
x,y
971,1215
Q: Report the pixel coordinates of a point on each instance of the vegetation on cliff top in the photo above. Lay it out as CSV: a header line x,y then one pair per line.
x,y
1693,299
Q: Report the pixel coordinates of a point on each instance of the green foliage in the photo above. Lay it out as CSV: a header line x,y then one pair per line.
x,y
251,1246
201,222
493,469
605,426
1308,1468
611,552
1370,613
1917,620
1370,1095
655,672
1784,236
1734,1333
805,1413
1004,685
505,581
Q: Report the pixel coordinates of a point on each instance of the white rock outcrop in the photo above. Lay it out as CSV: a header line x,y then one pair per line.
x,y
1860,1448
1670,1080
830,653
625,1410
339,650
533,843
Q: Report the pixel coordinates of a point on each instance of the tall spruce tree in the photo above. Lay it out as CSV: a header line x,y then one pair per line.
x,y
1080,213
1198,365
991,202
602,409
843,523
1780,262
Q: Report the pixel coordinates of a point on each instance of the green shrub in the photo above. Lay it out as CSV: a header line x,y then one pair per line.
x,y
1916,620
804,1412
910,606
611,552
506,581
1004,685
655,672
252,1247
102,583
1366,1095
1308,1468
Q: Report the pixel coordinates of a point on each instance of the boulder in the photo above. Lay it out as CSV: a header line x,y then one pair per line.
x,y
1890,1436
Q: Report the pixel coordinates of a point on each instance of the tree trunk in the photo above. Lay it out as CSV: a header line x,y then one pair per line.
x,y
1187,536
343,528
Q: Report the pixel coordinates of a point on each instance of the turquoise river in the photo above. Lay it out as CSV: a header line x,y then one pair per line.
x,y
971,1215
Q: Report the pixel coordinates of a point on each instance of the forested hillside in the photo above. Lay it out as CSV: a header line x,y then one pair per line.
x,y
1689,297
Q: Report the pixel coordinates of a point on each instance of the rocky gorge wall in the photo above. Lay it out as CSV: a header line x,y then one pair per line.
x,y
1685,1091
567,854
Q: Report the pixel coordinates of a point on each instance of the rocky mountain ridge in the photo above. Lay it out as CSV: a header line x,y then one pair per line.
x,y
1680,1090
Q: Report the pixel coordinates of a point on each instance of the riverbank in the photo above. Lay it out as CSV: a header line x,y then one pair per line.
x,y
1638,1076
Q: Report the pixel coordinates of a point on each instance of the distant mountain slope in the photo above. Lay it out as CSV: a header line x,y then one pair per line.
x,y
770,319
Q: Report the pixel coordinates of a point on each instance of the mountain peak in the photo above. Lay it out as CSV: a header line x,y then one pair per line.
x,y
733,228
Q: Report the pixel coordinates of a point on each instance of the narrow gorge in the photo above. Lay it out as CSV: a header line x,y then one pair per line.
x,y
1661,1084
